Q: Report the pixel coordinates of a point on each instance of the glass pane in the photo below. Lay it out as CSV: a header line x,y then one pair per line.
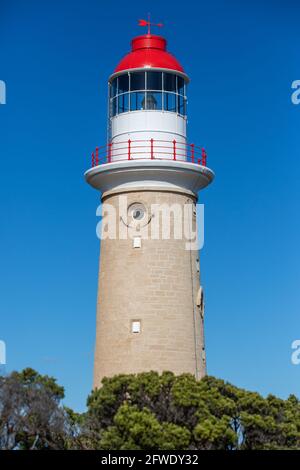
x,y
170,82
123,103
154,80
137,101
137,81
114,106
153,101
170,102
113,87
180,84
184,106
123,83
180,105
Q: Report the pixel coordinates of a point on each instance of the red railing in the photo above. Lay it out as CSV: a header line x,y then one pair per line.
x,y
152,148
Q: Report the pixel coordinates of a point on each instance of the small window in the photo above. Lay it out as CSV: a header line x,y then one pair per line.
x,y
137,242
137,81
170,82
114,106
180,85
135,326
113,88
181,105
153,101
123,103
137,101
170,102
123,83
154,80
137,211
138,214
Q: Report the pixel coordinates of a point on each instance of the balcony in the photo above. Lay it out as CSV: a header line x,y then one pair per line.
x,y
151,149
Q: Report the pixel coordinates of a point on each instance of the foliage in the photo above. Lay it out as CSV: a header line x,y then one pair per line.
x,y
30,415
146,411
152,411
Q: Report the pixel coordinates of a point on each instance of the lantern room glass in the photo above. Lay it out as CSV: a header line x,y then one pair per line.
x,y
148,90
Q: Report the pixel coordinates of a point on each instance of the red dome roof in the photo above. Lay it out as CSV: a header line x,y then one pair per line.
x,y
149,50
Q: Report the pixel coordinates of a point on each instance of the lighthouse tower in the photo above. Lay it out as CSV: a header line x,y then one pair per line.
x,y
150,305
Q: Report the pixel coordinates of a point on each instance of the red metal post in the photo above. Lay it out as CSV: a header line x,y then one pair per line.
x,y
193,152
97,156
174,149
109,152
151,147
204,156
129,149
93,159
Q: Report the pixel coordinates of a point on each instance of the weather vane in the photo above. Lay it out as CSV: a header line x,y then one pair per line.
x,y
149,24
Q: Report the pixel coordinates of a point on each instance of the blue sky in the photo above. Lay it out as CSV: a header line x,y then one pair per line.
x,y
242,57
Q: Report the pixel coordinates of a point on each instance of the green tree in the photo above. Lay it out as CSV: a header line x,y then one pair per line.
x,y
152,411
146,411
135,429
30,413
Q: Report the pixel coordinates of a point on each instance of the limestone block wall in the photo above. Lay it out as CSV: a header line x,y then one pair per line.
x,y
155,287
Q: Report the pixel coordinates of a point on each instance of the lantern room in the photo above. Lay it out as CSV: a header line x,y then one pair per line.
x,y
147,91
147,119
147,95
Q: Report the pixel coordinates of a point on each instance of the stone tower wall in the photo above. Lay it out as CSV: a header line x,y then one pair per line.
x,y
156,285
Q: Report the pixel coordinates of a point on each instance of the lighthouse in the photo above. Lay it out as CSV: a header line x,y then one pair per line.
x,y
150,306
